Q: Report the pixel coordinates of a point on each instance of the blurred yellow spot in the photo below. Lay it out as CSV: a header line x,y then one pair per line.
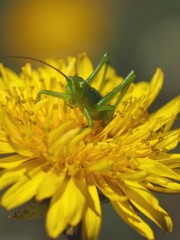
x,y
41,28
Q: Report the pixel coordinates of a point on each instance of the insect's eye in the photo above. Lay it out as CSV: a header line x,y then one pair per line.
x,y
82,84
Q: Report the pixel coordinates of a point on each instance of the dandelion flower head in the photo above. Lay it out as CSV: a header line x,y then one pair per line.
x,y
54,155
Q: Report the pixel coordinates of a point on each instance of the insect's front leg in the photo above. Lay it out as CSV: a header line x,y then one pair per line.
x,y
50,93
88,117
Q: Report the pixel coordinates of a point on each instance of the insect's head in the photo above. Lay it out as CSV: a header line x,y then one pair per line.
x,y
75,90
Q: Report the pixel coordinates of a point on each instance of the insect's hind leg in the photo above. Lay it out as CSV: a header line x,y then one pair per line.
x,y
104,60
121,89
121,95
49,93
104,74
106,113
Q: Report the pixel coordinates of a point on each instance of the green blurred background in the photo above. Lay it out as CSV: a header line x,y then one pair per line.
x,y
140,35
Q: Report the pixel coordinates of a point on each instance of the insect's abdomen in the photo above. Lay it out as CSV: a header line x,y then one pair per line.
x,y
91,97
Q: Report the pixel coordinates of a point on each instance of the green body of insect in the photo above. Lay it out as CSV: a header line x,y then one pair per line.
x,y
79,93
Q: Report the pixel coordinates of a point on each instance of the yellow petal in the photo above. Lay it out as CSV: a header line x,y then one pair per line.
x,y
12,161
144,201
103,165
58,146
84,66
91,222
72,148
109,189
126,212
164,182
10,177
171,108
56,133
48,186
66,206
23,190
157,168
170,160
5,148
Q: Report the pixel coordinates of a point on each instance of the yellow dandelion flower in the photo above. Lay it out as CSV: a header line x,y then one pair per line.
x,y
54,159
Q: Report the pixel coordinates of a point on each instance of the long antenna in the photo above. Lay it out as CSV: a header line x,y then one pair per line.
x,y
37,60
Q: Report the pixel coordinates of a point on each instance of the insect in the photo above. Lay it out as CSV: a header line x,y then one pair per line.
x,y
80,94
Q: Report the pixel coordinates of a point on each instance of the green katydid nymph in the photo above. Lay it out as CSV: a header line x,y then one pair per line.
x,y
80,94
